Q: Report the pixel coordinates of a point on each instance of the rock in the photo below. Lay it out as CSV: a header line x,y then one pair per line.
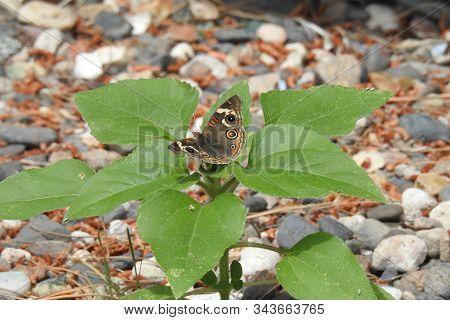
x,y
152,50
86,275
82,237
49,40
354,245
255,260
11,224
183,32
21,70
99,158
341,70
9,168
258,292
80,256
60,155
389,274
139,22
403,253
183,51
87,66
352,222
125,211
30,136
295,57
293,228
370,232
376,58
4,265
118,228
12,150
111,54
13,283
267,59
406,71
424,223
234,35
414,200
271,33
386,212
203,10
411,281
382,17
432,239
441,213
125,263
8,47
330,225
51,286
437,281
396,293
374,159
444,194
432,182
13,255
112,25
263,82
405,171
215,66
423,127
444,248
41,228
295,32
53,248
255,203
150,270
47,15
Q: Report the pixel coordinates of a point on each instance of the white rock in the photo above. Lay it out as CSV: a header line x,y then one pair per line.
x,y
414,200
375,158
308,76
110,54
217,67
203,10
293,60
342,69
382,17
99,158
441,213
49,40
271,33
82,237
119,228
401,252
47,15
267,59
210,296
396,293
12,224
80,255
183,51
263,82
405,171
12,255
352,222
432,238
11,5
150,270
254,260
140,22
87,66
14,282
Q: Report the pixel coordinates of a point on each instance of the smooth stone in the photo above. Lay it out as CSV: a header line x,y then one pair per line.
x,y
182,50
432,182
12,150
9,168
49,40
82,237
47,15
370,232
4,265
255,260
8,47
60,155
139,22
271,33
330,225
21,70
423,127
152,50
203,10
53,248
377,58
396,293
14,283
437,281
51,286
405,171
432,239
255,203
382,17
125,211
444,248
85,274
113,26
375,158
403,253
389,274
354,245
118,228
263,82
411,281
296,32
406,71
87,66
295,57
99,158
342,70
424,223
150,270
352,222
13,255
441,213
292,229
126,263
79,256
215,66
234,35
41,228
444,194
30,136
413,201
386,212
111,54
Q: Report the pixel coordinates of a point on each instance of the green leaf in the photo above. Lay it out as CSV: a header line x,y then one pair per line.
x,y
151,293
129,111
210,278
328,110
380,293
187,238
292,161
240,89
144,171
33,191
322,267
235,270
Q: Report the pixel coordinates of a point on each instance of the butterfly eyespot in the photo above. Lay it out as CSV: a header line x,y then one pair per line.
x,y
190,150
205,155
231,134
230,118
233,146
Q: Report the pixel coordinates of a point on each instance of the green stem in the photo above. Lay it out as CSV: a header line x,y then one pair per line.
x,y
258,245
230,185
224,276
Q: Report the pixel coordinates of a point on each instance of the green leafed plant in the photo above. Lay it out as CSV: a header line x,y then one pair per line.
x,y
290,157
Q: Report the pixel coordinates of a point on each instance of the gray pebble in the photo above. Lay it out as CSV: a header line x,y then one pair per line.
x,y
41,228
32,137
113,26
423,127
293,228
386,212
334,227
9,168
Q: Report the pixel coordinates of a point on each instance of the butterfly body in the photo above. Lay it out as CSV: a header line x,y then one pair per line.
x,y
222,139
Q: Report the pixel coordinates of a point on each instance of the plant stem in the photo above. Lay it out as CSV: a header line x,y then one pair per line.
x,y
230,185
199,291
224,276
257,245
